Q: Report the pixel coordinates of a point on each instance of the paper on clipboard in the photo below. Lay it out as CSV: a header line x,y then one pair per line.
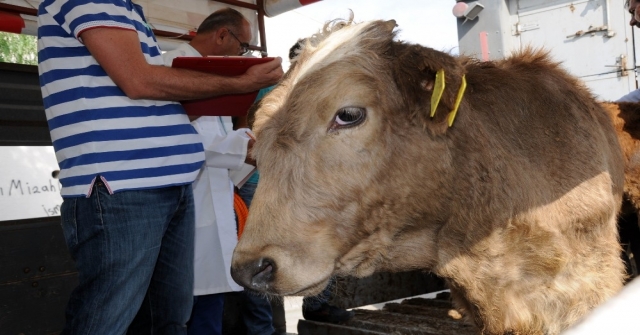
x,y
239,177
224,105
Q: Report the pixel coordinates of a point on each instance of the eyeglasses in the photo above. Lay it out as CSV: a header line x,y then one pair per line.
x,y
244,46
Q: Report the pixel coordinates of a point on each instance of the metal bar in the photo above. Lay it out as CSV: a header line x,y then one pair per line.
x,y
240,4
24,123
19,10
163,33
263,35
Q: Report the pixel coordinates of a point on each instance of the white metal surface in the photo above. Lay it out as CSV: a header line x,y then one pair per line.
x,y
583,36
592,38
616,316
277,7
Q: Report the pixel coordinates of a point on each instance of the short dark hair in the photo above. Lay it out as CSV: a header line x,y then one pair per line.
x,y
226,17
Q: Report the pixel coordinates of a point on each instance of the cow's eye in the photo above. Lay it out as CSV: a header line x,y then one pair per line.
x,y
348,117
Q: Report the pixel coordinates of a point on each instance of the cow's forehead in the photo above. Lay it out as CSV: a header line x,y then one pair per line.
x,y
334,47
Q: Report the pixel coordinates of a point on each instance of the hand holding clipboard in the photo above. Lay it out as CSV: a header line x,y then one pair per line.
x,y
231,104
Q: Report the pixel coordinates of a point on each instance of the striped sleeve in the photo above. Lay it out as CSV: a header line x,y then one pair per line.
x,y
77,16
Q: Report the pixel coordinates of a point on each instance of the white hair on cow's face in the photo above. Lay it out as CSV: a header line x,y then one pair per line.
x,y
333,44
315,39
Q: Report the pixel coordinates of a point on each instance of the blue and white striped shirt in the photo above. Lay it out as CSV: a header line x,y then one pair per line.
x,y
95,128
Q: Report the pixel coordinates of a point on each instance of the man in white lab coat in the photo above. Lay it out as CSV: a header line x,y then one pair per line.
x,y
224,33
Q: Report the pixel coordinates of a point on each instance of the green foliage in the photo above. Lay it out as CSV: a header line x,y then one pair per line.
x,y
17,48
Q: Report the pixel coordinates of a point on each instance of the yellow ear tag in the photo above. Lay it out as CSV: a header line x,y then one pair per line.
x,y
463,87
438,89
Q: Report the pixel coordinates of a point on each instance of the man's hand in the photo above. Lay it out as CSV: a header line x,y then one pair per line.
x,y
263,75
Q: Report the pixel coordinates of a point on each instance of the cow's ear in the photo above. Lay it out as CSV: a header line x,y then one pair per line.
x,y
377,36
389,26
381,28
426,78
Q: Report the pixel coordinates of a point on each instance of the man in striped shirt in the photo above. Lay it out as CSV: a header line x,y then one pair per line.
x,y
127,157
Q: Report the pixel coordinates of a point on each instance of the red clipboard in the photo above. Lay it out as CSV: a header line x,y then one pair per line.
x,y
223,105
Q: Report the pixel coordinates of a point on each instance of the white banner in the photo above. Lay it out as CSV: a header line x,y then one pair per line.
x,y
27,187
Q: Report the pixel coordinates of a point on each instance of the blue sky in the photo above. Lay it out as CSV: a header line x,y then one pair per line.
x,y
427,22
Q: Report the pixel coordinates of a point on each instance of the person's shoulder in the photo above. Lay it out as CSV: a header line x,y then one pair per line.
x,y
183,50
171,54
88,6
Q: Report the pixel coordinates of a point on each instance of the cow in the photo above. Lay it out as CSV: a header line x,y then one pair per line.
x,y
504,178
626,121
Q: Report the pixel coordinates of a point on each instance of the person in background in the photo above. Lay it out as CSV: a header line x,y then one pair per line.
x,y
317,308
223,33
127,157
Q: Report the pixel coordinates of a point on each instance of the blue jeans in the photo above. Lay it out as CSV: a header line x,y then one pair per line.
x,y
134,255
257,313
314,303
206,316
247,191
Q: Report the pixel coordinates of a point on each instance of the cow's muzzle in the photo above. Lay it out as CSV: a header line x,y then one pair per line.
x,y
255,275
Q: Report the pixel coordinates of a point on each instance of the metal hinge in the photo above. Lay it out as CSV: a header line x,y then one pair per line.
x,y
593,30
621,64
520,28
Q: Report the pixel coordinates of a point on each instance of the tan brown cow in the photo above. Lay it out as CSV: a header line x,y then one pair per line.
x,y
514,205
626,120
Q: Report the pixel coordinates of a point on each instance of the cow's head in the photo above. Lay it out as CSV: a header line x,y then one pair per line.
x,y
352,164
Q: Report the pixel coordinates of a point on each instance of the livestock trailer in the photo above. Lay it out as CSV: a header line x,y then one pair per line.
x,y
592,38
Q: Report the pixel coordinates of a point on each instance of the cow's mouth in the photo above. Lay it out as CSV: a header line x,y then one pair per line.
x,y
264,275
312,289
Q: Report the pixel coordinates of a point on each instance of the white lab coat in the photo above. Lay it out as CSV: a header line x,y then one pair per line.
x,y
216,234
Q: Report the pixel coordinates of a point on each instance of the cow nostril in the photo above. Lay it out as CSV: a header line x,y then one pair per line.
x,y
264,274
255,275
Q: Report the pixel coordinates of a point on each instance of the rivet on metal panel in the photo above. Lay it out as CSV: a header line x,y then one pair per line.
x,y
34,284
26,270
42,268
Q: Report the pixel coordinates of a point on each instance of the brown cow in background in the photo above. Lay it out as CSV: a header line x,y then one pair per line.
x,y
514,205
626,120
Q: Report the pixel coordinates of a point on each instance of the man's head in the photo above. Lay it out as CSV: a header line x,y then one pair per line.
x,y
223,33
633,6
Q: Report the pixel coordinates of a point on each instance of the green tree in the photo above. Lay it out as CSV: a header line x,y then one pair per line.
x,y
18,48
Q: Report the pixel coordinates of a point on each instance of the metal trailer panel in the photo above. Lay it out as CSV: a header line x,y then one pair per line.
x,y
22,117
384,286
591,38
37,276
488,37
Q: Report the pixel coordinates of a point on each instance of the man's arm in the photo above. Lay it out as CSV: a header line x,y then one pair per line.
x,y
118,52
